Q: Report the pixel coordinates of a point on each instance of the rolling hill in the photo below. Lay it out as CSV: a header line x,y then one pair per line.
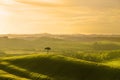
x,y
55,67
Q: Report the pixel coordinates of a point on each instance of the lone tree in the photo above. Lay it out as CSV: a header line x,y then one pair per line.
x,y
47,49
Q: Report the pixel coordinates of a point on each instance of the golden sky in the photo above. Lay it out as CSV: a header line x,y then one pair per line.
x,y
60,16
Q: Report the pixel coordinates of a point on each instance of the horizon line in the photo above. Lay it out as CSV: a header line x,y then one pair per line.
x,y
60,33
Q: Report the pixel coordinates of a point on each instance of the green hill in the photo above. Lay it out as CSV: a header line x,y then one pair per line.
x,y
55,67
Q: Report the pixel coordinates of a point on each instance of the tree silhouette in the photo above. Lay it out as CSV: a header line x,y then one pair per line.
x,y
47,49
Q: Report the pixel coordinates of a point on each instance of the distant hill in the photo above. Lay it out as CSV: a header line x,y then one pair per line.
x,y
58,43
73,37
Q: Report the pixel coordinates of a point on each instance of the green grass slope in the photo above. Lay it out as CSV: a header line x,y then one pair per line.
x,y
65,68
7,76
113,63
22,73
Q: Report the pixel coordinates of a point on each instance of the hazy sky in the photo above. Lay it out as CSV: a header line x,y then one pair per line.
x,y
60,16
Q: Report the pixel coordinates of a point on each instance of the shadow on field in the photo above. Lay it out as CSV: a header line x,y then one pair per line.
x,y
65,68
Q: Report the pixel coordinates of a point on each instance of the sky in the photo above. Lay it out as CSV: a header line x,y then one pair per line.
x,y
60,16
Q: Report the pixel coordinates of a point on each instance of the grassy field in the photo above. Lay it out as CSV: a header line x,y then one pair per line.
x,y
57,67
70,58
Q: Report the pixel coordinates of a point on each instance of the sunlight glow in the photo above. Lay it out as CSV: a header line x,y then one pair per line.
x,y
4,17
8,1
50,1
4,12
60,16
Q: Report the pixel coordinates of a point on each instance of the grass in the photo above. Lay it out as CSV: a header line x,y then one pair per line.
x,y
85,58
96,56
63,68
115,63
7,76
21,72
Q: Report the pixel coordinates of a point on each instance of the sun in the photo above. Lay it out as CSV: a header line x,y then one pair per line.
x,y
7,1
4,12
4,16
